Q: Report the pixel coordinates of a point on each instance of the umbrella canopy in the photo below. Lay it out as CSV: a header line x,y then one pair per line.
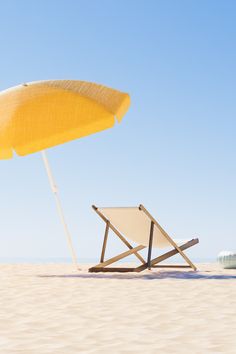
x,y
38,115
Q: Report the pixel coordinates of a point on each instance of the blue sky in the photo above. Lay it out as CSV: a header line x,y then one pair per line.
x,y
175,149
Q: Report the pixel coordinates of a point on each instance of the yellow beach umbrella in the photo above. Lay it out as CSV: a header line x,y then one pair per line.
x,y
39,115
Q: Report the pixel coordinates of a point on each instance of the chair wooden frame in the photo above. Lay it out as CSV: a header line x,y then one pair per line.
x,y
149,263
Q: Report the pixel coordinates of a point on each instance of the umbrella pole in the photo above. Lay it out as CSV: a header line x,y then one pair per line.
x,y
59,206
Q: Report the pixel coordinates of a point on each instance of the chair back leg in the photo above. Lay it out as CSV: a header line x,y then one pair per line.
x,y
150,245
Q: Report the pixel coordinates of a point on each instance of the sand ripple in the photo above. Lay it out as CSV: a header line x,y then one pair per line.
x,y
52,309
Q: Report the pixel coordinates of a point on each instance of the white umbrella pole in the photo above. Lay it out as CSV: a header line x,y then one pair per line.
x,y
59,206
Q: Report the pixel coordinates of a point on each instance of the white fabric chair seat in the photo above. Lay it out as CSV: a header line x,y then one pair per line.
x,y
135,225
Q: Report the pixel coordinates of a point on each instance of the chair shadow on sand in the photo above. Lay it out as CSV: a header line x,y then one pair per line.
x,y
144,276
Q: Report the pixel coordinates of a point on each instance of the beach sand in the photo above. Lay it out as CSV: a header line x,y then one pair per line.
x,y
54,309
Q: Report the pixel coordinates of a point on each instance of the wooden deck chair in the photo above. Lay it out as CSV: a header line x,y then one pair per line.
x,y
137,224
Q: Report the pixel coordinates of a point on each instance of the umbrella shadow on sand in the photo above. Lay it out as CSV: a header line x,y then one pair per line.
x,y
150,276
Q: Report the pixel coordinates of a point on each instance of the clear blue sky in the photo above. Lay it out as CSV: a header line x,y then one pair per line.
x,y
174,150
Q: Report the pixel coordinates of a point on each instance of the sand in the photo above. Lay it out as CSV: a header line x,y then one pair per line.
x,y
53,309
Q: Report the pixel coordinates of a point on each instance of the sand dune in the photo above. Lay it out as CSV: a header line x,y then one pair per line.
x,y
52,309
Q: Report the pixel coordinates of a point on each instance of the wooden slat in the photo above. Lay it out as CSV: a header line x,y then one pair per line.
x,y
105,241
150,245
172,266
168,254
112,269
119,257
